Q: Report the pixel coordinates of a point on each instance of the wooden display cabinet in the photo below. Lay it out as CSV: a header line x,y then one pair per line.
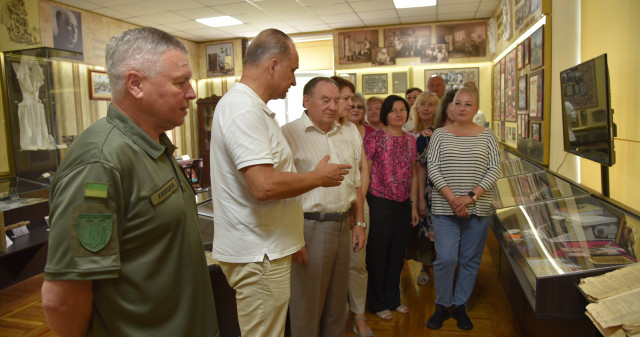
x,y
206,107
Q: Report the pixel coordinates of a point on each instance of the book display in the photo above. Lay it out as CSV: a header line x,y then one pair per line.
x,y
551,233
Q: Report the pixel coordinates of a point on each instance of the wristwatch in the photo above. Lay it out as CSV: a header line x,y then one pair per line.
x,y
361,224
473,196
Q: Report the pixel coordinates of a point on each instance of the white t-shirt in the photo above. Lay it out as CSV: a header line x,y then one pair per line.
x,y
244,133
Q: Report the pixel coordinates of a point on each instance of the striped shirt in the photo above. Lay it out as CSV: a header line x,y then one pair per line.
x,y
309,144
463,163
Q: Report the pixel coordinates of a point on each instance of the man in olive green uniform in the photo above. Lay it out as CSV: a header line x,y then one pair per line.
x,y
125,254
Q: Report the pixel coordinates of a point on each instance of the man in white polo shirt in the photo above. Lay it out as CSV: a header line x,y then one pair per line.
x,y
258,215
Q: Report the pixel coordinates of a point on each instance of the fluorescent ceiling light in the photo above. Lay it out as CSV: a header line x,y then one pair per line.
x,y
220,21
413,3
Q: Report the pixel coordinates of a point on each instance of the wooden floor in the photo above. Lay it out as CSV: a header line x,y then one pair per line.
x,y
21,309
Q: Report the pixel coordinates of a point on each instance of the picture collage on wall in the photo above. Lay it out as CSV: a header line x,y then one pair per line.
x,y
518,92
427,43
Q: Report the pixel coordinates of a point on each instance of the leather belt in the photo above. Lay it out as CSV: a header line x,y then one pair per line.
x,y
322,216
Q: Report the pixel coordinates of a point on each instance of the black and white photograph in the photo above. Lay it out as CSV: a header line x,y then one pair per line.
x,y
453,78
355,46
220,59
409,41
537,48
67,29
464,39
383,56
374,84
434,54
523,84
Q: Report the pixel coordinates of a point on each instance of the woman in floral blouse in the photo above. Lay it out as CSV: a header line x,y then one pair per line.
x,y
392,157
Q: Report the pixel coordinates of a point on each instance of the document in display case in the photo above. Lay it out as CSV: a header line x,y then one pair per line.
x,y
553,232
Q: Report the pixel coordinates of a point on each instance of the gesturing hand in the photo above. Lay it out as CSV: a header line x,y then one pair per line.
x,y
331,174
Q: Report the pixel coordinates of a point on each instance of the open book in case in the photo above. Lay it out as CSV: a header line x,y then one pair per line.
x,y
553,232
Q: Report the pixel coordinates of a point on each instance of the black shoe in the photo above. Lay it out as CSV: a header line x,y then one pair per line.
x,y
460,314
440,315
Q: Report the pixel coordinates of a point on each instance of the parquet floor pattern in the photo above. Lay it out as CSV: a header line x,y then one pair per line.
x,y
21,309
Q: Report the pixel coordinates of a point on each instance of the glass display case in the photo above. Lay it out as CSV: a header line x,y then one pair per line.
x,y
552,232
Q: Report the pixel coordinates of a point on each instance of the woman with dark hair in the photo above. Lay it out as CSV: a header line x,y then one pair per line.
x,y
444,112
464,165
411,95
391,155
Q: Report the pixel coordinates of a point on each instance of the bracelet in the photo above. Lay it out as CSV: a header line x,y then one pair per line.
x,y
361,224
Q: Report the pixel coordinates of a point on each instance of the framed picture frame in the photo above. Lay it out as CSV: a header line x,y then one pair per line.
x,y
355,46
399,80
520,56
463,40
383,56
351,77
511,88
454,77
536,95
99,88
536,131
220,59
411,41
526,49
523,84
374,84
537,48
496,91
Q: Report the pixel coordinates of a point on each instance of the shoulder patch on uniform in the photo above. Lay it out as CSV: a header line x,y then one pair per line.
x,y
164,192
94,230
96,190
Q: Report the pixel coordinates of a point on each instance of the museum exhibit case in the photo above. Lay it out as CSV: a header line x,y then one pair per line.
x,y
548,233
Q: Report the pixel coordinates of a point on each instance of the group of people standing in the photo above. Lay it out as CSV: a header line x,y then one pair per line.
x,y
306,216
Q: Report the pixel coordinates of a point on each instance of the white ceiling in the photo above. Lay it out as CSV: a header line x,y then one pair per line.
x,y
291,16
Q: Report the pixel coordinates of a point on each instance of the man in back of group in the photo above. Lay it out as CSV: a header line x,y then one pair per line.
x,y
259,221
319,287
125,254
435,84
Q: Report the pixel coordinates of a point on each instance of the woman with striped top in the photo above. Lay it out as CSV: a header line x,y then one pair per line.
x,y
463,163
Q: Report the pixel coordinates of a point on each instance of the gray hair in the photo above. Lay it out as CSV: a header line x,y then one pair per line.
x,y
268,44
311,85
139,49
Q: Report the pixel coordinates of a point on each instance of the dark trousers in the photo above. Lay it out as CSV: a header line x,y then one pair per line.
x,y
388,235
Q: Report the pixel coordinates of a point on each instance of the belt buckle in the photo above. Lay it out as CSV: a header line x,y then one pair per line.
x,y
321,218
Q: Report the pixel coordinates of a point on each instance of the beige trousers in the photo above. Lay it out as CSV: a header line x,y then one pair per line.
x,y
358,275
262,295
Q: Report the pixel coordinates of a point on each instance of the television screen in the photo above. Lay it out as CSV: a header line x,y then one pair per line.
x,y
586,112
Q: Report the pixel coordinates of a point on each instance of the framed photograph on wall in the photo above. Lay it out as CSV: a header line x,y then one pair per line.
x,y
408,41
65,37
453,78
383,56
99,88
355,46
496,91
399,80
463,40
220,59
537,48
536,131
510,88
520,56
351,77
536,93
374,84
526,49
523,84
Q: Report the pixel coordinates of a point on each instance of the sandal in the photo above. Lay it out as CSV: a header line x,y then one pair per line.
x,y
385,315
368,333
423,278
402,309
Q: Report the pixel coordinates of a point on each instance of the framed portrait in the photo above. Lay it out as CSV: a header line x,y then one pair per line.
x,y
496,91
536,131
536,93
220,59
383,56
408,41
454,77
99,88
435,53
399,80
523,84
520,56
355,46
526,49
351,77
463,39
510,88
374,84
537,48
66,26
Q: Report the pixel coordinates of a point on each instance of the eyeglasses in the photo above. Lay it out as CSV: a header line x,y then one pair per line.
x,y
359,107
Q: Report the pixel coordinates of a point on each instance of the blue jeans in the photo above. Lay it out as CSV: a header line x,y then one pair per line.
x,y
459,243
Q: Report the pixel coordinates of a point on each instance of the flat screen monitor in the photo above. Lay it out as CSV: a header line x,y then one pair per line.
x,y
586,111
